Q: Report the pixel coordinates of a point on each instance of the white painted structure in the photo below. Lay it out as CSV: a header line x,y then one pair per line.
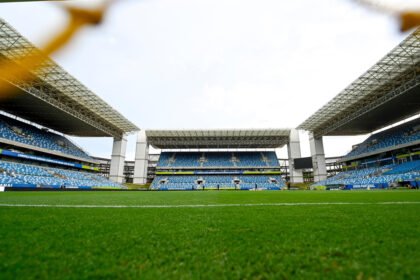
x,y
219,139
293,150
318,158
116,172
141,159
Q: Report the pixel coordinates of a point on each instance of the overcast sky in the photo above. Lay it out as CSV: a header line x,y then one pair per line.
x,y
217,64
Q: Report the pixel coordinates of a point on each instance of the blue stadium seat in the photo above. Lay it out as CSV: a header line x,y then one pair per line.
x,y
399,135
15,130
387,174
223,181
218,159
17,173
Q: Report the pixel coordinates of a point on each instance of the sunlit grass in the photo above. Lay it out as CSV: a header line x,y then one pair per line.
x,y
277,242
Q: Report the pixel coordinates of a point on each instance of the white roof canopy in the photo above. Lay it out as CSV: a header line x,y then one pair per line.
x,y
57,95
218,138
388,92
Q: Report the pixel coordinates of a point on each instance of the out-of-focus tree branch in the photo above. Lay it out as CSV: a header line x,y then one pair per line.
x,y
22,67
409,16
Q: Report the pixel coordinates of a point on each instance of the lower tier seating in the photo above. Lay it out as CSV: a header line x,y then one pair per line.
x,y
14,174
264,182
387,174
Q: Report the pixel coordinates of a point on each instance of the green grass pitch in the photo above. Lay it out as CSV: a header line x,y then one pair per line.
x,y
366,239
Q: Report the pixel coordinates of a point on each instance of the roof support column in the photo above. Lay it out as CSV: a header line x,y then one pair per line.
x,y
293,150
116,172
142,159
318,158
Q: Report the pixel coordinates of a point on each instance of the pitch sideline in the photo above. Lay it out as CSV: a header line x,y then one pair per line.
x,y
208,205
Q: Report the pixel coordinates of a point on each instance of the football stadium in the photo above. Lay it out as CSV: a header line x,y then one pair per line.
x,y
208,203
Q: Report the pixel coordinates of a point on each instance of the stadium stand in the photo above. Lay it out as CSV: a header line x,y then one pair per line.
x,y
40,170
410,166
40,109
18,131
235,170
243,182
218,159
26,175
403,134
388,158
376,177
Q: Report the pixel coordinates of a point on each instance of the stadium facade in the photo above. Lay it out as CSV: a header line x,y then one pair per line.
x,y
215,139
334,166
56,104
387,93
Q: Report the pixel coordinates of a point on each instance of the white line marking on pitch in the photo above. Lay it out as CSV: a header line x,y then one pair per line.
x,y
208,205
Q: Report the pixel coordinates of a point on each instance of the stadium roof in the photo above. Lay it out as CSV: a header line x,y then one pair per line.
x,y
218,139
54,98
388,92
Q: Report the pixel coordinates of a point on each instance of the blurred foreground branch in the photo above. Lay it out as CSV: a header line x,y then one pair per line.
x,y
409,16
23,66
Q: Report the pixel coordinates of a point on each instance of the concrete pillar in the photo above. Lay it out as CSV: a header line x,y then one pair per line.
x,y
318,158
116,172
293,150
141,159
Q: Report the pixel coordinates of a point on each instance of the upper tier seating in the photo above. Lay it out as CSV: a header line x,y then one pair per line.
x,y
17,173
218,159
386,174
405,133
15,130
212,181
